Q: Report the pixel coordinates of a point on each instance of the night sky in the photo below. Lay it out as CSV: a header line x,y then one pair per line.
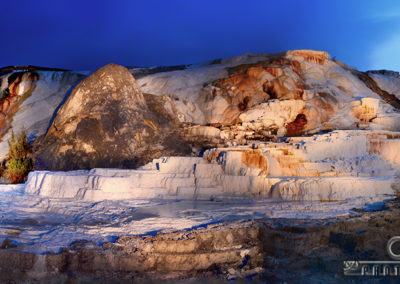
x,y
84,35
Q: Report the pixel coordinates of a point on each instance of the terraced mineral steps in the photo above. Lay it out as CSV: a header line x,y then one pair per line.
x,y
326,167
194,178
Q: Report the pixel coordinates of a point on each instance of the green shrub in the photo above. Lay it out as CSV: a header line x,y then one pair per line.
x,y
19,159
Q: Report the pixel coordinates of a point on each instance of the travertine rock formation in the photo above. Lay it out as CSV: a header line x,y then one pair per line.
x,y
292,135
254,97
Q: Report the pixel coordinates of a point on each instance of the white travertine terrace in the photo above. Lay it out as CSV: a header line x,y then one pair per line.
x,y
330,167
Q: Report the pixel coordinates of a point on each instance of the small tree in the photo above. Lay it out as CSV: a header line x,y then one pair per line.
x,y
19,158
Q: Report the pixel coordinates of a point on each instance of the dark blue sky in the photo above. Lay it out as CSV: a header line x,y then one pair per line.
x,y
88,34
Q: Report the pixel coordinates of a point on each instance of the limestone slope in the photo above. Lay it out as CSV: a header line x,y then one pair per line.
x,y
293,93
29,98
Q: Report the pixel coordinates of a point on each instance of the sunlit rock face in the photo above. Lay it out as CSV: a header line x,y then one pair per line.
x,y
288,94
106,122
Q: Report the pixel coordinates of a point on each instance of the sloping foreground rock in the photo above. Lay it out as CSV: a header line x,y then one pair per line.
x,y
106,122
267,249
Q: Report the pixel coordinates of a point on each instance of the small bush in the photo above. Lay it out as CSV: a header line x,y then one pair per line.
x,y
19,159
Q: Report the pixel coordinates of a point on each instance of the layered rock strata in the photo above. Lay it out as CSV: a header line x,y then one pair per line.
x,y
264,249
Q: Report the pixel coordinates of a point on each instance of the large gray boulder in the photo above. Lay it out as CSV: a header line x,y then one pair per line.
x,y
106,122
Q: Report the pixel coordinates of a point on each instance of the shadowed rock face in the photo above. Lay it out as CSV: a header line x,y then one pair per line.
x,y
106,122
295,127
